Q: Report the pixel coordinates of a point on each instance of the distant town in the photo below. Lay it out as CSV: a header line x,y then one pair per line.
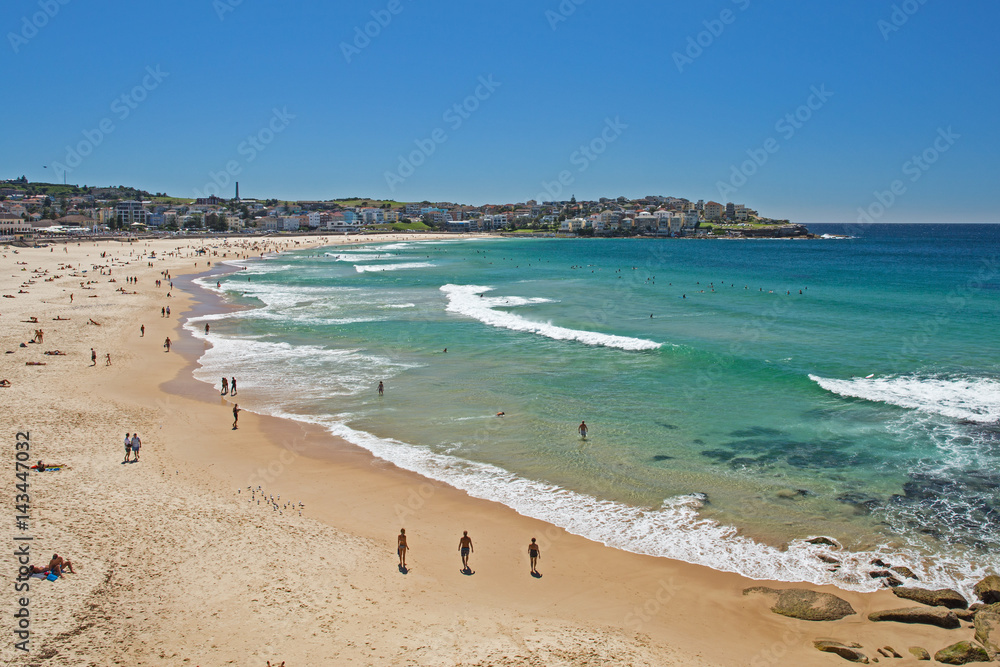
x,y
46,209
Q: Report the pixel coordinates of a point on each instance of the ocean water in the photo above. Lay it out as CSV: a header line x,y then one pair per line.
x,y
742,396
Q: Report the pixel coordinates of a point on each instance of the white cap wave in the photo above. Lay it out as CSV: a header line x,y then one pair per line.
x,y
969,398
466,300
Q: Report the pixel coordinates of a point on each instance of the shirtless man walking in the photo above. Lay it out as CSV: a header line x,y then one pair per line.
x,y
582,428
236,416
465,548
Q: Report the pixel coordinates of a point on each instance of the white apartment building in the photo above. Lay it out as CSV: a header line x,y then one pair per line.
x,y
131,212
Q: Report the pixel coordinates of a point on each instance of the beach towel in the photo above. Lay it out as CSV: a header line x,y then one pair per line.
x,y
52,577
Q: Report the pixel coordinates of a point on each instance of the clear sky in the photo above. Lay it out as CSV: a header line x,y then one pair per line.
x,y
687,99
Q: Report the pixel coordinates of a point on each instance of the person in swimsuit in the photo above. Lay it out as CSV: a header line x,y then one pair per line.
x,y
236,416
582,428
93,357
533,553
232,387
401,547
465,548
225,386
381,388
166,343
58,564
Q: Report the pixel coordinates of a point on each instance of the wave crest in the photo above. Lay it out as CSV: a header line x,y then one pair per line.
x,y
466,300
968,398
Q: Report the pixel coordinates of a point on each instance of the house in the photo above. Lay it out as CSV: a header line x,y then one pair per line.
x,y
269,224
713,210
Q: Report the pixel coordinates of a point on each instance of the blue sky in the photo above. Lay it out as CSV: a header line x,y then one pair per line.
x,y
686,99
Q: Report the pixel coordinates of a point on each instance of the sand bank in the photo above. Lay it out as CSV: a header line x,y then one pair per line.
x,y
176,565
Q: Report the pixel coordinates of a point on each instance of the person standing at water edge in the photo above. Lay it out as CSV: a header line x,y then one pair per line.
x,y
582,428
465,548
225,386
236,416
232,386
381,388
533,553
401,547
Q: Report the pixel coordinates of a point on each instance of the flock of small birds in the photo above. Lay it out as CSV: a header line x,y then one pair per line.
x,y
272,500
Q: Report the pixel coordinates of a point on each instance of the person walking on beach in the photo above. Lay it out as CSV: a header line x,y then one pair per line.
x,y
225,386
533,553
163,311
232,386
582,428
465,548
381,388
128,447
142,330
107,359
236,415
93,357
401,547
166,343
135,446
168,309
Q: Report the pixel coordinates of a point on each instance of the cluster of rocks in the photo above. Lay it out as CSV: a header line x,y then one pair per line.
x,y
944,608
889,574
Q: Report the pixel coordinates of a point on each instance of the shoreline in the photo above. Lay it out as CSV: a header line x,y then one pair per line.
x,y
767,555
592,598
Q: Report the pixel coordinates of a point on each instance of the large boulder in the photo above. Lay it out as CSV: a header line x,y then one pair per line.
x,y
943,597
987,625
962,653
847,652
804,604
939,616
905,571
988,590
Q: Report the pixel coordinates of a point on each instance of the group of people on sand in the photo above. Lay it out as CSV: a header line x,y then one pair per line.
x,y
132,445
465,549
57,566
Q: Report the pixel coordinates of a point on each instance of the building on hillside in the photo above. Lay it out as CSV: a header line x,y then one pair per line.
x,y
713,211
131,212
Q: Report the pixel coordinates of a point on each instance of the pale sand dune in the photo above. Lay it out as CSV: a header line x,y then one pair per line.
x,y
175,567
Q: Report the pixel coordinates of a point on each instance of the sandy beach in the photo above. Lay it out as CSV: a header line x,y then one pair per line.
x,y
277,542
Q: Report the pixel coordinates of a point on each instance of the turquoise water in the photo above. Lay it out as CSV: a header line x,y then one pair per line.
x,y
724,382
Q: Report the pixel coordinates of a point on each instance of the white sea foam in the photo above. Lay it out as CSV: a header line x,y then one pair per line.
x,y
466,300
362,257
363,268
969,398
255,361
